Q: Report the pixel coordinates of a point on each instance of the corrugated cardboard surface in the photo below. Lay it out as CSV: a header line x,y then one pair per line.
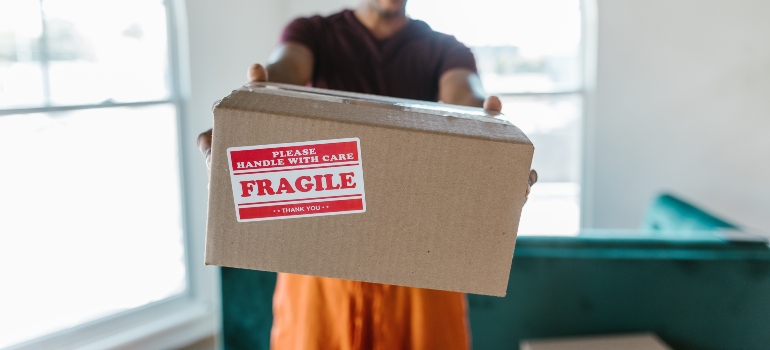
x,y
644,341
444,191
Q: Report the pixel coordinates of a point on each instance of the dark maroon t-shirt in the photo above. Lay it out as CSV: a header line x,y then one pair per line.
x,y
349,58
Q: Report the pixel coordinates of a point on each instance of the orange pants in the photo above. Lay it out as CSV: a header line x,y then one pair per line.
x,y
325,313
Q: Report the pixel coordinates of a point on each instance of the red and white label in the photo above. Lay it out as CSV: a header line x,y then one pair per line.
x,y
293,180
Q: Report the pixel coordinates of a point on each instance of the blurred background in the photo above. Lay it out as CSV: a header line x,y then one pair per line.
x,y
103,192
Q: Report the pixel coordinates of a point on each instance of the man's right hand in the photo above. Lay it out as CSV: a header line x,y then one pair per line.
x,y
256,73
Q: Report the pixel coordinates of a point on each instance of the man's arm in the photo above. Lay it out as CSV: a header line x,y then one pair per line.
x,y
289,63
462,86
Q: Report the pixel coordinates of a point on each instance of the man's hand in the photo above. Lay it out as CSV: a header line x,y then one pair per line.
x,y
255,73
493,104
204,144
531,181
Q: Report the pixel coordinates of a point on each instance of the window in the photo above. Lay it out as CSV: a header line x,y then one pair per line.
x,y
528,52
90,190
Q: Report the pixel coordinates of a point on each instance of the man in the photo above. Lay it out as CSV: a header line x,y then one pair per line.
x,y
374,49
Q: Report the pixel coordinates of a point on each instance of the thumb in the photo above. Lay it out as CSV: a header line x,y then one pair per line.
x,y
257,73
492,103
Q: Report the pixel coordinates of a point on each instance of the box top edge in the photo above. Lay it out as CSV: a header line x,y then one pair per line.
x,y
238,100
345,97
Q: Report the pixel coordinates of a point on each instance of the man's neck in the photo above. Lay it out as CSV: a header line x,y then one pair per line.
x,y
380,26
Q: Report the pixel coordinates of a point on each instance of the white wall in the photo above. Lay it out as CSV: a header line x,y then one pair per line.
x,y
683,104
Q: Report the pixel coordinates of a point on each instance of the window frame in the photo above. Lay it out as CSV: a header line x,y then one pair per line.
x,y
588,63
587,53
589,47
181,319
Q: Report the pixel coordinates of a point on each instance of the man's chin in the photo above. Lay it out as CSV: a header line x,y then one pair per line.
x,y
386,14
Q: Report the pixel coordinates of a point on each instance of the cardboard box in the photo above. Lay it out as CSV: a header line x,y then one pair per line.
x,y
361,187
642,341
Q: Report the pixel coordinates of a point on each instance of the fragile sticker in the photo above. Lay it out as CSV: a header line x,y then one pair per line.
x,y
294,180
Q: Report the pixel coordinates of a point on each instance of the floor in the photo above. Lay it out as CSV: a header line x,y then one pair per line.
x,y
209,343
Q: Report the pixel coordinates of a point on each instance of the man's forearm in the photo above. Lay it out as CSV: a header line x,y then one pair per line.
x,y
469,100
284,72
461,87
290,63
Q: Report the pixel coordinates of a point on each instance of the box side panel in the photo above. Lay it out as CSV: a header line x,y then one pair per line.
x,y
442,211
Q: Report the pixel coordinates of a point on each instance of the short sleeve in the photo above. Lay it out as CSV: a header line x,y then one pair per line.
x,y
456,55
302,30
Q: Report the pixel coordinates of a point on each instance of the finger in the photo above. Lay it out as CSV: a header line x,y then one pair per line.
x,y
530,181
257,73
492,103
204,142
532,177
